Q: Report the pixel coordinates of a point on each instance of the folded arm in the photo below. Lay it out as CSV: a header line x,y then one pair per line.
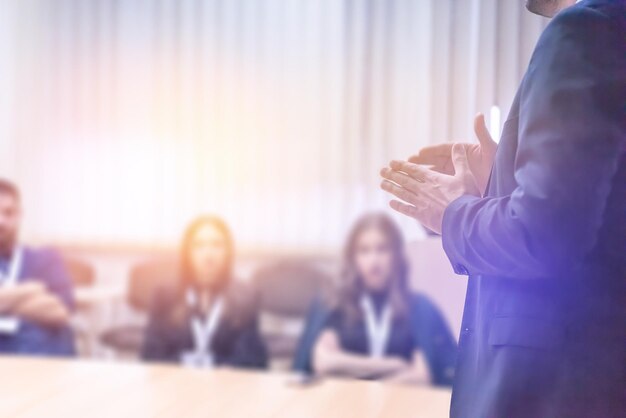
x,y
44,309
12,296
33,302
249,350
416,373
330,359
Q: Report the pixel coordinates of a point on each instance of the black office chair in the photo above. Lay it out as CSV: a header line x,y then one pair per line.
x,y
284,292
144,280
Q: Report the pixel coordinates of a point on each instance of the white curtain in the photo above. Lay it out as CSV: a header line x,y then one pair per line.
x,y
122,120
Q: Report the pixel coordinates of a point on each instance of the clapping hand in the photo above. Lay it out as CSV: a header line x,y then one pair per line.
x,y
479,156
454,170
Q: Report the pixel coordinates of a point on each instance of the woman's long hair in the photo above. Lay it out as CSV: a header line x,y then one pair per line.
x,y
187,273
351,285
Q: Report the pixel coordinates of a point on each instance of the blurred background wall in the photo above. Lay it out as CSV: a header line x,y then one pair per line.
x,y
122,120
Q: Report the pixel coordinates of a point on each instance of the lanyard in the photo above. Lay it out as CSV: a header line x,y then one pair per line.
x,y
378,330
14,270
9,325
203,329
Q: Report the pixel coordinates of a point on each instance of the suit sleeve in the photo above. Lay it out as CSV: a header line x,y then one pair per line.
x,y
571,137
249,350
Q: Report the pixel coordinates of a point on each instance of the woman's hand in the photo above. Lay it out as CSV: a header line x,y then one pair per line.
x,y
330,360
414,373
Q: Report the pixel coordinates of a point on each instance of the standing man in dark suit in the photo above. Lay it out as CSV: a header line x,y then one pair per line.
x,y
543,240
35,291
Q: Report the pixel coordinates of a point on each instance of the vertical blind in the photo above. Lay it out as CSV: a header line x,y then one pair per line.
x,y
122,120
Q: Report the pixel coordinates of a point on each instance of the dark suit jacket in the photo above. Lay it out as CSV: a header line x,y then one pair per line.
x,y
46,266
428,329
544,327
236,341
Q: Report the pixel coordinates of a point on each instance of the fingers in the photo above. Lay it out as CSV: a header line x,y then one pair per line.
x,y
398,191
480,128
400,179
403,181
415,171
404,209
432,155
459,159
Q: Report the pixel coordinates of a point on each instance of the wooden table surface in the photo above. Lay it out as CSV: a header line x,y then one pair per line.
x,y
76,388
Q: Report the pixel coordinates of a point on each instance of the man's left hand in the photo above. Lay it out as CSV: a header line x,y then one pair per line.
x,y
425,194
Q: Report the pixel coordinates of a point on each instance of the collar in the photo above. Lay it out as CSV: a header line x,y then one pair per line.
x,y
379,300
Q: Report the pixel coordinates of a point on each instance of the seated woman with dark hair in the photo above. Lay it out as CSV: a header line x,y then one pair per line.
x,y
206,320
374,327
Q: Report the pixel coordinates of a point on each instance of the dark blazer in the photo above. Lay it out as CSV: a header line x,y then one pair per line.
x,y
236,341
544,327
428,329
46,266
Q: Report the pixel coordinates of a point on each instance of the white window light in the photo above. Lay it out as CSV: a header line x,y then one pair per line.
x,y
495,118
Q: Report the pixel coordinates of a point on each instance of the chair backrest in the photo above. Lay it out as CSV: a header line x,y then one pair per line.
x,y
81,272
284,291
432,275
287,288
147,277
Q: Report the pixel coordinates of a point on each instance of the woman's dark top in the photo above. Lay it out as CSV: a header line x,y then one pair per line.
x,y
428,329
353,337
236,341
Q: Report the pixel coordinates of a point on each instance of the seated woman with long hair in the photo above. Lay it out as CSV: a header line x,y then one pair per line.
x,y
206,319
375,326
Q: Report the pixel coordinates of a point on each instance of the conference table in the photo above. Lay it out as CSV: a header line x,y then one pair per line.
x,y
34,387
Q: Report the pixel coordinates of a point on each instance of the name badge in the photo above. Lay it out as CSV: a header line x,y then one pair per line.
x,y
9,325
202,331
197,360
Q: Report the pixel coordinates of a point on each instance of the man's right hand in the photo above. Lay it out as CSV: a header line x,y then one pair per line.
x,y
32,287
480,156
31,300
12,296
